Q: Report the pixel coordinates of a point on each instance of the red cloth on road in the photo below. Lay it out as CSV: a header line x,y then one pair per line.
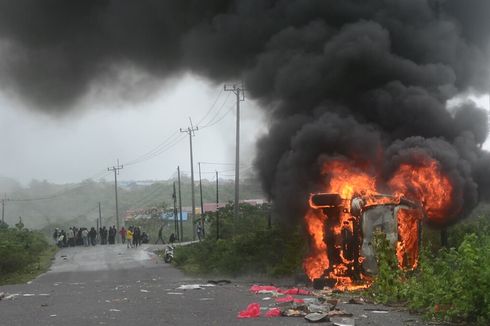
x,y
256,288
273,312
252,311
289,299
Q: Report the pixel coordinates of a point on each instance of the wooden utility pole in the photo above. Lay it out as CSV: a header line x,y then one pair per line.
x,y
176,221
202,204
181,238
116,169
240,96
191,132
217,207
100,216
4,199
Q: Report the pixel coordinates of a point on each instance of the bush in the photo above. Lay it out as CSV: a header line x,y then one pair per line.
x,y
452,285
19,248
254,248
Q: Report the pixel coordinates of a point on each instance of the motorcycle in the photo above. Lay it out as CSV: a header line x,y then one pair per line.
x,y
168,254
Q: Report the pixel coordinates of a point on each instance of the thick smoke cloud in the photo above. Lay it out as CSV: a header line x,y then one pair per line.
x,y
366,81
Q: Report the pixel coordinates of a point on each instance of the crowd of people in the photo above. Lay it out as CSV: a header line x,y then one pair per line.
x,y
82,236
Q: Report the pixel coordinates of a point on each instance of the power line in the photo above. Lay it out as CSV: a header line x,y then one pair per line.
x,y
212,106
171,140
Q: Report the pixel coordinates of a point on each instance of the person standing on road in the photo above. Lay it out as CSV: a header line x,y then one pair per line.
x,y
129,237
122,233
93,236
160,235
199,232
136,236
85,237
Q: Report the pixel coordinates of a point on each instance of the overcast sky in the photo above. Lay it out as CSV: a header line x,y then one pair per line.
x,y
105,126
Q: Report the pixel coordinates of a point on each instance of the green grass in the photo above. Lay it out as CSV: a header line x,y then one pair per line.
x,y
31,271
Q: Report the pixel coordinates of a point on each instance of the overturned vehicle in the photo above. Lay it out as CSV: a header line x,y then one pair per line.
x,y
343,250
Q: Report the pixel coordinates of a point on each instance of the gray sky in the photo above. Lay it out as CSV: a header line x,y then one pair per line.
x,y
107,125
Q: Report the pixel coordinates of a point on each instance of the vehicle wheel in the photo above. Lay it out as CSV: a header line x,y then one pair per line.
x,y
167,259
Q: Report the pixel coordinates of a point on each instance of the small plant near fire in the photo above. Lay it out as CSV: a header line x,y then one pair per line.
x,y
452,285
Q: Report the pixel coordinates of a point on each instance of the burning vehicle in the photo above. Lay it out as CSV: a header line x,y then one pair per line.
x,y
342,222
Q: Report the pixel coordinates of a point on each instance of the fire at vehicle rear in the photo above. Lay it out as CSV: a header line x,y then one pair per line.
x,y
342,222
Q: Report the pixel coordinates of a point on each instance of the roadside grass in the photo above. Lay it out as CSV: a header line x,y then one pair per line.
x,y
246,246
450,285
33,270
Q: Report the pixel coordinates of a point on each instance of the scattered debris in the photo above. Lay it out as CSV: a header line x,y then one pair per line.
x,y
379,311
114,310
206,299
316,317
219,282
175,293
294,313
52,315
355,301
28,295
11,296
144,291
343,321
273,312
252,311
194,286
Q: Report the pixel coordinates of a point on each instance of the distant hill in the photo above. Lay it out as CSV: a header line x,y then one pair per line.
x,y
43,203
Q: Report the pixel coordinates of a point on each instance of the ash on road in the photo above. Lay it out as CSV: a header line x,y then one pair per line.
x,y
114,285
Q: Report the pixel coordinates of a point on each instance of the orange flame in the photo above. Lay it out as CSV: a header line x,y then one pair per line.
x,y
424,183
407,247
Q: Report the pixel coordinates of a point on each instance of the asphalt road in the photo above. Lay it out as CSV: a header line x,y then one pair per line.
x,y
113,285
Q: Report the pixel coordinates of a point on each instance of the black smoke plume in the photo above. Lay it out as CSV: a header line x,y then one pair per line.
x,y
361,80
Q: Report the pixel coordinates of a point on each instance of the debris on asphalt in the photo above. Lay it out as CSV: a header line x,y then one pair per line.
x,y
273,312
28,295
355,301
252,311
379,311
144,291
316,317
11,296
175,293
194,286
114,310
219,282
206,299
343,321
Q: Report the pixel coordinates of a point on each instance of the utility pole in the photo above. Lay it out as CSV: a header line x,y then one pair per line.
x,y
176,222
202,204
100,216
181,238
191,132
240,96
217,207
4,199
116,169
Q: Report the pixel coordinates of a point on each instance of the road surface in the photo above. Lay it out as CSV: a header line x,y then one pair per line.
x,y
113,285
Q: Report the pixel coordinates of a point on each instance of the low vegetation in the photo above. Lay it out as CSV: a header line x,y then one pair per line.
x,y
451,285
23,254
248,245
